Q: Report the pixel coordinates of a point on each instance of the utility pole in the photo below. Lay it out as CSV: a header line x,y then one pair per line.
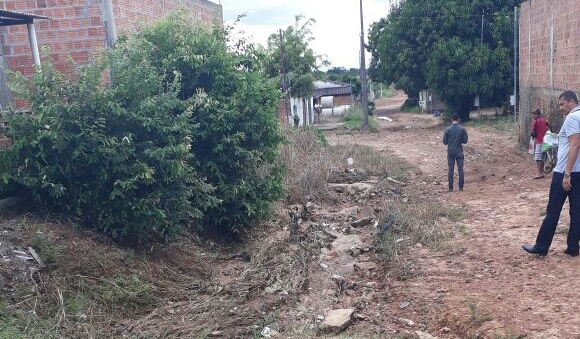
x,y
515,60
482,28
363,73
283,70
477,97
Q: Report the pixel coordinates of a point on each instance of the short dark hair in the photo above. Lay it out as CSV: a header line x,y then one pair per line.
x,y
569,96
537,112
455,117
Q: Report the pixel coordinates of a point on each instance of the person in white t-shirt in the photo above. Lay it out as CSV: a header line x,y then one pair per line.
x,y
565,182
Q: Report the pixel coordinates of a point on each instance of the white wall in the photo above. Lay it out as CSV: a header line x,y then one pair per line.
x,y
297,107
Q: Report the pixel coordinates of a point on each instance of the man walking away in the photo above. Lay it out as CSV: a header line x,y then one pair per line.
x,y
565,182
539,129
454,137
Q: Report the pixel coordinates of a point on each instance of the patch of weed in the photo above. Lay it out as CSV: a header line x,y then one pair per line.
x,y
502,125
462,229
353,120
477,316
126,292
453,213
14,324
411,109
76,305
48,249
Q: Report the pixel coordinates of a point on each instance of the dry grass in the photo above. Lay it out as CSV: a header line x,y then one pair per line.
x,y
278,270
173,292
403,224
311,164
308,166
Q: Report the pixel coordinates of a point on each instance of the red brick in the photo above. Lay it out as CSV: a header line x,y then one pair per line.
x,y
544,75
77,27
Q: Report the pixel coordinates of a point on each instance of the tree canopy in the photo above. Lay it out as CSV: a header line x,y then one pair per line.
x,y
440,44
347,76
299,59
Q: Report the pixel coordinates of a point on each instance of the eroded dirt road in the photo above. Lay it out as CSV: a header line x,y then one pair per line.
x,y
483,285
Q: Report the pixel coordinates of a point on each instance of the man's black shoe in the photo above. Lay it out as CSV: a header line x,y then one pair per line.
x,y
533,250
571,252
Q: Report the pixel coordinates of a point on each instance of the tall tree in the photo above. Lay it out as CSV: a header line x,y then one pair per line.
x,y
299,59
441,44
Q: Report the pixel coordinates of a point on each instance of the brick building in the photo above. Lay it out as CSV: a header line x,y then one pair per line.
x,y
549,55
79,28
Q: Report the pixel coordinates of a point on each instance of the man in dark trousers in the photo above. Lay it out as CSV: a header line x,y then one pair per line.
x,y
565,182
454,137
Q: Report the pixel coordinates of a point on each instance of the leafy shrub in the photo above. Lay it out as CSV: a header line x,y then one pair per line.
x,y
234,131
169,127
113,156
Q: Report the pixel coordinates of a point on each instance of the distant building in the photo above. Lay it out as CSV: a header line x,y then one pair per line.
x,y
79,28
329,98
430,102
340,93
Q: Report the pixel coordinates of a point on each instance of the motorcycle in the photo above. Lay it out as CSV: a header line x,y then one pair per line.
x,y
550,146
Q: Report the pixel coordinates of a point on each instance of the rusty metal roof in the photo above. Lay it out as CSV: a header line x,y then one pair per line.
x,y
9,18
330,88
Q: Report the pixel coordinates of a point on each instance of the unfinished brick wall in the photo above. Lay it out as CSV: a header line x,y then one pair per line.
x,y
132,14
549,57
76,31
79,28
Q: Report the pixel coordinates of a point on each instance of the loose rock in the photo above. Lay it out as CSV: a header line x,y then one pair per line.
x,y
337,320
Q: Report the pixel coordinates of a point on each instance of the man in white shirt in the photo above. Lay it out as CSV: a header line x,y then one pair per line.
x,y
565,182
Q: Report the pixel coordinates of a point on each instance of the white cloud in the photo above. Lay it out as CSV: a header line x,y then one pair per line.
x,y
336,31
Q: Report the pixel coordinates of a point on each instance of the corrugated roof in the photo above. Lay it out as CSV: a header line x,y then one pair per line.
x,y
9,18
329,88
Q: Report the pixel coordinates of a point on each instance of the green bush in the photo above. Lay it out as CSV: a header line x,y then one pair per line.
x,y
169,128
114,156
235,134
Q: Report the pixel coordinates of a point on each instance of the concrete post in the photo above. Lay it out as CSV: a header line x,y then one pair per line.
x,y
33,43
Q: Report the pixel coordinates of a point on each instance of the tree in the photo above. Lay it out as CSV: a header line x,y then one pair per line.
x,y
299,59
440,44
350,76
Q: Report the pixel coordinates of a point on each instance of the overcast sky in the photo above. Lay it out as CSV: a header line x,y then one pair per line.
x,y
336,31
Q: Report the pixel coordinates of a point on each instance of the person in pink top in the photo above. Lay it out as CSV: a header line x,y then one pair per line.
x,y
539,128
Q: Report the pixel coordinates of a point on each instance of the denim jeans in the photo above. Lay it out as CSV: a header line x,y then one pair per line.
x,y
451,159
555,203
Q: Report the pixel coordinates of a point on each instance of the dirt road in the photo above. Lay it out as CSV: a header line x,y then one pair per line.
x,y
484,284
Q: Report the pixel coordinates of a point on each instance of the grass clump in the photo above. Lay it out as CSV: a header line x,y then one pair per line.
x,y
502,125
477,316
48,249
353,120
411,109
403,225
126,291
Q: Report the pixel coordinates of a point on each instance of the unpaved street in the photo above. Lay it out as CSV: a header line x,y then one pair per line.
x,y
482,284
